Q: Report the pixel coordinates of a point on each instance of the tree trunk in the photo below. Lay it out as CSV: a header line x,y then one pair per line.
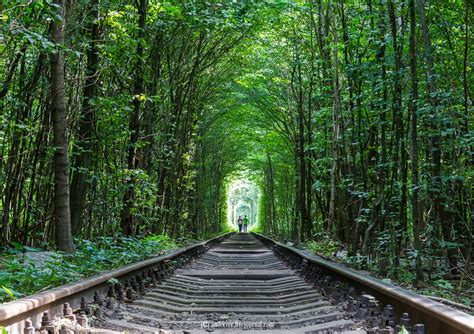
x,y
465,65
417,215
335,132
271,183
127,217
82,161
62,214
399,156
441,220
382,207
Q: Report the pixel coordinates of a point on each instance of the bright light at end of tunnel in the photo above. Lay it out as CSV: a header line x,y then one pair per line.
x,y
242,200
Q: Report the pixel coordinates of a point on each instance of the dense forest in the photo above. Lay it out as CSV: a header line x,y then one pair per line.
x,y
353,118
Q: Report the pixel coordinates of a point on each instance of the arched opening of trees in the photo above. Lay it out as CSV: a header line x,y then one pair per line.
x,y
242,200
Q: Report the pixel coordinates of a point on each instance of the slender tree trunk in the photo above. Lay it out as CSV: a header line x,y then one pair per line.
x,y
399,155
82,161
297,87
468,6
302,172
441,220
382,207
62,214
127,217
416,212
11,71
465,66
295,226
335,131
271,180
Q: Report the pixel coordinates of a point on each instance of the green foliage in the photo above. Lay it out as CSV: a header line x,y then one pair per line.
x,y
443,284
20,276
10,294
113,252
113,282
360,262
160,239
403,330
324,244
244,88
19,249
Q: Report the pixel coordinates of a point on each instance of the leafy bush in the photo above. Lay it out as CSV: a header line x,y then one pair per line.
x,y
357,261
20,276
324,245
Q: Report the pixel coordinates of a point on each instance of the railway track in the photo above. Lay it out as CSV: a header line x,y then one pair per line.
x,y
243,283
236,285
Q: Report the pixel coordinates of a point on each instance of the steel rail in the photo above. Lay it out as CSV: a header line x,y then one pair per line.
x,y
437,317
13,314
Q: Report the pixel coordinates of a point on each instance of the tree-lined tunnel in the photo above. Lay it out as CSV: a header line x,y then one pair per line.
x,y
342,125
243,200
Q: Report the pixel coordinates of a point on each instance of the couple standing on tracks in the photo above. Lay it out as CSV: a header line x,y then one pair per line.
x,y
243,223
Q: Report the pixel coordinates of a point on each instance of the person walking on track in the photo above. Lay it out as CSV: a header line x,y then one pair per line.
x,y
245,223
239,222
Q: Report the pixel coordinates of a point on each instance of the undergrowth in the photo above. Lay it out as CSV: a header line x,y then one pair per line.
x,y
323,245
21,276
402,274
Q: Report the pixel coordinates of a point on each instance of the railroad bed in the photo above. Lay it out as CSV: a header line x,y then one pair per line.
x,y
240,284
234,283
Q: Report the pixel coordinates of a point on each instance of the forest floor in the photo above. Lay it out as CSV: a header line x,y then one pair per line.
x,y
439,288
25,270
